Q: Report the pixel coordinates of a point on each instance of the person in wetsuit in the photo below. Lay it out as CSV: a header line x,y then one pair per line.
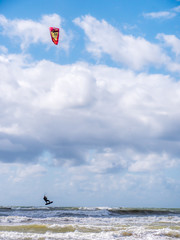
x,y
45,199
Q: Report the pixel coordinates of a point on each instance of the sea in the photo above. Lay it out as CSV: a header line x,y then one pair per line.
x,y
80,223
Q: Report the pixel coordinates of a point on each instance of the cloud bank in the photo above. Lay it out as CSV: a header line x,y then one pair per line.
x,y
93,119
84,107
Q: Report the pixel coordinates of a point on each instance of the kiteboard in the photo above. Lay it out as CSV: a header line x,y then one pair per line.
x,y
49,203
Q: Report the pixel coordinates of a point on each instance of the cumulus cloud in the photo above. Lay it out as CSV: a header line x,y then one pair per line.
x,y
151,162
73,86
106,161
171,41
72,109
135,53
33,32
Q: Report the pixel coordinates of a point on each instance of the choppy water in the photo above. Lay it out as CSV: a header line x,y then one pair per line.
x,y
49,223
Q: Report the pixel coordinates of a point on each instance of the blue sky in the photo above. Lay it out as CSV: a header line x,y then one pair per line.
x,y
93,121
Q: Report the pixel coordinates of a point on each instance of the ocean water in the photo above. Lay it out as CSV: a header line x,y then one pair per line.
x,y
40,223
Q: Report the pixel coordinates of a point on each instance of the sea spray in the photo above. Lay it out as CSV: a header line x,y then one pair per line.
x,y
39,223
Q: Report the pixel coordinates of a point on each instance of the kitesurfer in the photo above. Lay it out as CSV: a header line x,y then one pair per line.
x,y
45,199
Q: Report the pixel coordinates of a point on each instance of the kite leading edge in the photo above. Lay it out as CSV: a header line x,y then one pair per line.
x,y
54,34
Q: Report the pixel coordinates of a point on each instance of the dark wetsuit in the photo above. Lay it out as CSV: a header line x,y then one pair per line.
x,y
46,200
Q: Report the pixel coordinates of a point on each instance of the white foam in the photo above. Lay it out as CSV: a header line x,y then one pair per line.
x,y
93,225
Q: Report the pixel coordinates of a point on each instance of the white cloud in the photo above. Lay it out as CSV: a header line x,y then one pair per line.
x,y
5,168
136,53
163,14
3,49
171,13
171,41
73,86
107,161
17,172
34,32
93,119
85,107
33,83
177,9
115,161
107,172
151,162
12,130
28,171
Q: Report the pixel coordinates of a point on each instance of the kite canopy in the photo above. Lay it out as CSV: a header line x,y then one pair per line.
x,y
54,34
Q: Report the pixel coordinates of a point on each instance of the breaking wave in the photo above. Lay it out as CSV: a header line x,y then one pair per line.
x,y
37,223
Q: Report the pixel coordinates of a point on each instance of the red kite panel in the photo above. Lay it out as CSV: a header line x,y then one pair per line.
x,y
54,34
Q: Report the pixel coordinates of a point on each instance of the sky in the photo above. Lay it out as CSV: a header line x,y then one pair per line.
x,y
95,120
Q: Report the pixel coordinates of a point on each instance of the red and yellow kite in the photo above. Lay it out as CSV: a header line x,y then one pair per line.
x,y
54,34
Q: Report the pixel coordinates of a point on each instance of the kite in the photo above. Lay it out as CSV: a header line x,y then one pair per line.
x,y
54,34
